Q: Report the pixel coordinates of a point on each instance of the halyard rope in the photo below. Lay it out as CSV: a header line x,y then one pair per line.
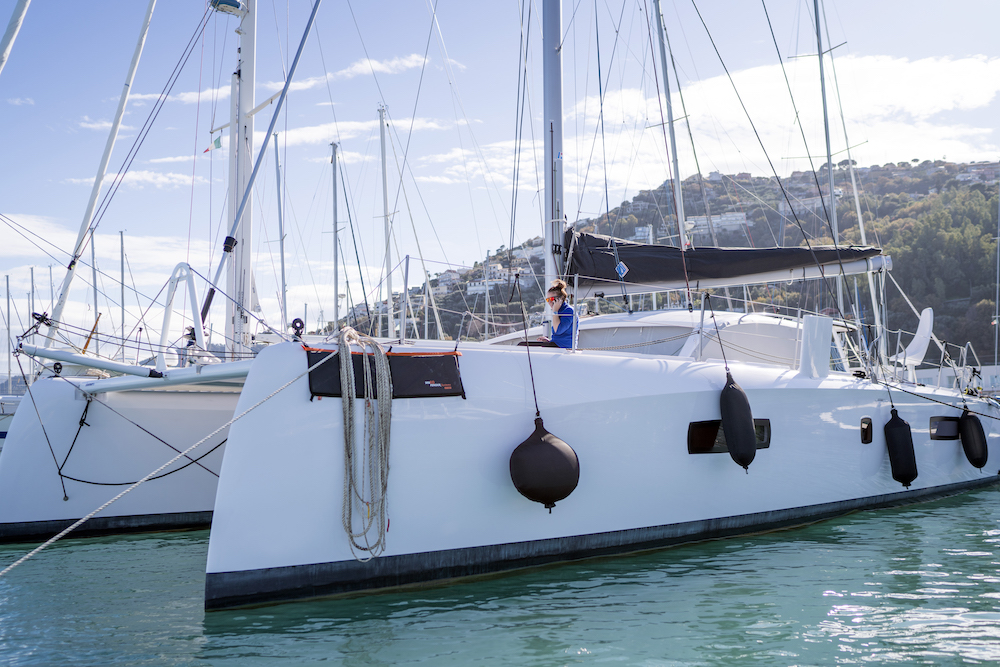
x,y
165,465
370,505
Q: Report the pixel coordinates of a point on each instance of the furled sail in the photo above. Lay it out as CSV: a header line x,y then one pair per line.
x,y
593,258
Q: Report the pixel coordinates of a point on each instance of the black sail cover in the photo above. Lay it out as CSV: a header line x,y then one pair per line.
x,y
592,257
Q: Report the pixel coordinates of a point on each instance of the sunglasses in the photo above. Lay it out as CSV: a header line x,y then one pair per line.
x,y
552,299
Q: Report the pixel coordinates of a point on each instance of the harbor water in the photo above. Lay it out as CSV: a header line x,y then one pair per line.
x,y
917,584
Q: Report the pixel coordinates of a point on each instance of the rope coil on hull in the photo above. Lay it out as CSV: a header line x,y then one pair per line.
x,y
365,476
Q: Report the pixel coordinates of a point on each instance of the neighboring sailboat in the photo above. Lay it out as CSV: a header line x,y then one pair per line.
x,y
85,439
632,452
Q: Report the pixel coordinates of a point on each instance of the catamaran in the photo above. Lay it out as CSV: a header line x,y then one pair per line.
x,y
360,464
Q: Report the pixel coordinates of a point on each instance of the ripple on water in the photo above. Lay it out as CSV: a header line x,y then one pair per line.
x,y
916,584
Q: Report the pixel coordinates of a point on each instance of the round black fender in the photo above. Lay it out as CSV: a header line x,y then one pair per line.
x,y
899,441
737,423
973,439
544,468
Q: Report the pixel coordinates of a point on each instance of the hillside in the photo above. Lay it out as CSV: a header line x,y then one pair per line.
x,y
937,220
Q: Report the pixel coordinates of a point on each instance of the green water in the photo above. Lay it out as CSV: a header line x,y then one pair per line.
x,y
919,584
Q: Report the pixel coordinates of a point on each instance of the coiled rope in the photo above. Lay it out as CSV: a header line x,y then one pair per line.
x,y
371,469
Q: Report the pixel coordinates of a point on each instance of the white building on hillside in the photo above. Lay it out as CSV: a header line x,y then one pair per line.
x,y
698,224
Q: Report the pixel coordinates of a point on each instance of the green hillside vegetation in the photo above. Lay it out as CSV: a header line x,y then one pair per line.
x,y
938,230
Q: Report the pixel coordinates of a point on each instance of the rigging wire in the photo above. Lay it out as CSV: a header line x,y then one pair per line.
x,y
522,85
143,132
767,156
600,88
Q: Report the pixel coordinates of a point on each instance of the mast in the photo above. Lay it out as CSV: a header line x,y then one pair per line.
x,y
93,270
239,272
336,254
281,239
121,236
85,231
16,19
678,191
486,274
553,115
231,240
829,154
10,345
385,209
996,304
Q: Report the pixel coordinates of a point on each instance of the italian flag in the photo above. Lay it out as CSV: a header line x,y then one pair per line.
x,y
215,144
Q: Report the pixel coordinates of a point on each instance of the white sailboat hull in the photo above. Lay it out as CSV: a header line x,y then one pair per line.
x,y
53,470
453,510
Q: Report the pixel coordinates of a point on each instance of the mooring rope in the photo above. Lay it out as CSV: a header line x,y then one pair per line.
x,y
181,455
374,461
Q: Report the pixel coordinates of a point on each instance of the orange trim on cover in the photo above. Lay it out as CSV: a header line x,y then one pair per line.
x,y
453,353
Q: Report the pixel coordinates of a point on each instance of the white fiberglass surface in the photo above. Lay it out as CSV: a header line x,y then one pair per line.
x,y
280,495
125,437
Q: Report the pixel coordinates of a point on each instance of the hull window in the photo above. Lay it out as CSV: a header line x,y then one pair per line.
x,y
944,428
866,430
708,437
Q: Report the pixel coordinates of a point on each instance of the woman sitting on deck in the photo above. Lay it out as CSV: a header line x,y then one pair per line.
x,y
562,316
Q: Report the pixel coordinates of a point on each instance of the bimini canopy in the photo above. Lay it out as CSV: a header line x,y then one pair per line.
x,y
657,267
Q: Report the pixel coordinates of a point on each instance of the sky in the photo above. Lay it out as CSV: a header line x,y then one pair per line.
x,y
907,80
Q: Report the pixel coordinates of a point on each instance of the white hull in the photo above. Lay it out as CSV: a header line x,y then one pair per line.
x,y
118,445
453,510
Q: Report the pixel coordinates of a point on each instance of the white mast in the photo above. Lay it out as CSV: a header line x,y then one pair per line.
x,y
97,316
553,139
678,190
239,275
876,308
81,238
829,154
281,239
10,344
486,275
239,135
121,237
336,244
16,19
385,209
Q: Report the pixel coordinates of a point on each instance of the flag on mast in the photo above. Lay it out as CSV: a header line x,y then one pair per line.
x,y
215,144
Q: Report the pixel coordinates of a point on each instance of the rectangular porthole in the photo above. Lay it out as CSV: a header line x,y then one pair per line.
x,y
944,428
866,430
708,437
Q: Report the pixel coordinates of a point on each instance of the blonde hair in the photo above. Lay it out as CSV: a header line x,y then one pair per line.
x,y
559,289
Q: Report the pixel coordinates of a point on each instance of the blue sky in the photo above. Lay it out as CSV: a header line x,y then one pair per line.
x,y
917,81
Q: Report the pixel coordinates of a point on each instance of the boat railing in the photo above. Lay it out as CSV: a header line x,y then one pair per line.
x,y
956,366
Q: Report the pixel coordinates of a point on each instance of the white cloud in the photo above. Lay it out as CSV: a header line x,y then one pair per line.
x,y
327,132
362,67
441,180
166,160
89,124
344,157
220,93
139,179
18,101
367,66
